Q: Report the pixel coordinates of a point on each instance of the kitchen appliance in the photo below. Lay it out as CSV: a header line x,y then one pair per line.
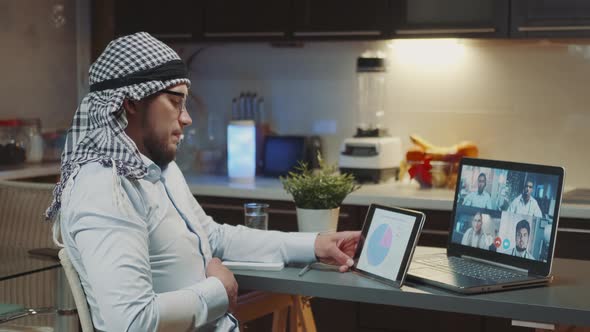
x,y
241,151
371,159
250,106
371,155
282,154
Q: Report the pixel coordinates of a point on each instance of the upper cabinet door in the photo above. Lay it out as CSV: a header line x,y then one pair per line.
x,y
341,18
174,20
450,18
550,18
257,19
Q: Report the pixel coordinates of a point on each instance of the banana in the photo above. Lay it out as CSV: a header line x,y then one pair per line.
x,y
432,149
464,148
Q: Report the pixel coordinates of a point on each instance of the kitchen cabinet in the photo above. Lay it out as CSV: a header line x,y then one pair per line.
x,y
374,317
282,215
288,20
249,19
177,20
341,18
550,18
451,18
573,239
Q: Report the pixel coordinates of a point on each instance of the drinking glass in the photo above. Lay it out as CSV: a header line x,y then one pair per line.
x,y
256,215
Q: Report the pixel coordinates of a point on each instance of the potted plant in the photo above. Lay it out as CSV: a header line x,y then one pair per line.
x,y
318,195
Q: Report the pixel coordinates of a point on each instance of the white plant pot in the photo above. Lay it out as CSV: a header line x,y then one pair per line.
x,y
313,220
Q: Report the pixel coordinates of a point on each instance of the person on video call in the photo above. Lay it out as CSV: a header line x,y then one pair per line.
x,y
147,254
523,231
474,236
479,198
525,203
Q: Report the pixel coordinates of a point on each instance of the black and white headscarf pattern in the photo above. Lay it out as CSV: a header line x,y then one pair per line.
x,y
97,132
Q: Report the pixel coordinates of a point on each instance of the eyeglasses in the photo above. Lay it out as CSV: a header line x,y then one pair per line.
x,y
174,93
178,94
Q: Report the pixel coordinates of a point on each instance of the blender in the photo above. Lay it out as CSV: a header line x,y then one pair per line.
x,y
371,155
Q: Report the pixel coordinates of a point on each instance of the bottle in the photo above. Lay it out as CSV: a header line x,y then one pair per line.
x,y
34,144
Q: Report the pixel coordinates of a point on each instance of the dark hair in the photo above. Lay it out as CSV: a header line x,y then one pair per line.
x,y
480,214
523,224
484,176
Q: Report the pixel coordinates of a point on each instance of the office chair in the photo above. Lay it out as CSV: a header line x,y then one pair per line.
x,y
77,292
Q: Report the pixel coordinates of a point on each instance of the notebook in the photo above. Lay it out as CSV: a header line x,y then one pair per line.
x,y
503,229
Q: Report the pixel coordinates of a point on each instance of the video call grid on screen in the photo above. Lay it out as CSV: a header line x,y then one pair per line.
x,y
505,211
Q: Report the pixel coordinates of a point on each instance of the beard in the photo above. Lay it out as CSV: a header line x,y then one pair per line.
x,y
158,151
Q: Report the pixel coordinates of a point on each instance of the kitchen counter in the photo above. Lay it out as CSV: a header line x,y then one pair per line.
x,y
390,193
25,171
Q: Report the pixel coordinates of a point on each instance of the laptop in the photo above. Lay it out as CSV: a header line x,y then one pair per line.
x,y
503,229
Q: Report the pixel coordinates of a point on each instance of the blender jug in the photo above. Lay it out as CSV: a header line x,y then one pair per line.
x,y
371,72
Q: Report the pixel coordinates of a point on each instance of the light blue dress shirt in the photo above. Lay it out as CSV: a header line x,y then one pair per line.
x,y
475,199
141,250
530,208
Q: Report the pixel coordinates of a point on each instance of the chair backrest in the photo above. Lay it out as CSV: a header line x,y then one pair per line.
x,y
77,292
22,205
22,228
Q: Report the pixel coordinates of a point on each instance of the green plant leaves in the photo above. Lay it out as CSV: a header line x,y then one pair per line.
x,y
323,188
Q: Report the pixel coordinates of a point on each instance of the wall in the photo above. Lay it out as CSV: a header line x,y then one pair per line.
x,y
38,61
518,100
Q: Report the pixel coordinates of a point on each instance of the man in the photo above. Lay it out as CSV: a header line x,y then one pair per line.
x,y
525,203
481,198
474,236
147,254
523,230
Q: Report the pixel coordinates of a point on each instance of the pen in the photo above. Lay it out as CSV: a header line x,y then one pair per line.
x,y
304,270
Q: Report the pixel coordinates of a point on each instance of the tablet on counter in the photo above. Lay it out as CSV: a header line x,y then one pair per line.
x,y
388,239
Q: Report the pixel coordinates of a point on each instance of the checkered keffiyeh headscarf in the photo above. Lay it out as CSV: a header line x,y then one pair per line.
x,y
131,67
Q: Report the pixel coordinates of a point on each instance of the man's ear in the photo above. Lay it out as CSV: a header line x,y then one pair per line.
x,y
130,107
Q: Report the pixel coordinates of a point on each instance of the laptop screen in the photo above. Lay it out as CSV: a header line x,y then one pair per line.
x,y
507,208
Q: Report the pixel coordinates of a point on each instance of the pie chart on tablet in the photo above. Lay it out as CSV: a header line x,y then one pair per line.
x,y
379,244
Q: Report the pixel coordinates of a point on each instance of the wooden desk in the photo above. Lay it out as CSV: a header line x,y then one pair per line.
x,y
565,301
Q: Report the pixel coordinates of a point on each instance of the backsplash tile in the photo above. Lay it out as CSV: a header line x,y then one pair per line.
x,y
524,101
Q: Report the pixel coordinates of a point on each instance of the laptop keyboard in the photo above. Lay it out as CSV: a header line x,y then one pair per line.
x,y
469,268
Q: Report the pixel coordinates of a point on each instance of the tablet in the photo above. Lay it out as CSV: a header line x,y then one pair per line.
x,y
387,243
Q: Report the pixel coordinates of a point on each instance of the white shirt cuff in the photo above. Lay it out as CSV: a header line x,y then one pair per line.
x,y
214,295
300,247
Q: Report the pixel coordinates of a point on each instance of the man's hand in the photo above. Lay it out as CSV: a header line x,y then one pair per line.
x,y
218,270
337,248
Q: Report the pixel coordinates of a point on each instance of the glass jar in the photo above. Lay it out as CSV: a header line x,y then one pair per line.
x,y
31,128
12,142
